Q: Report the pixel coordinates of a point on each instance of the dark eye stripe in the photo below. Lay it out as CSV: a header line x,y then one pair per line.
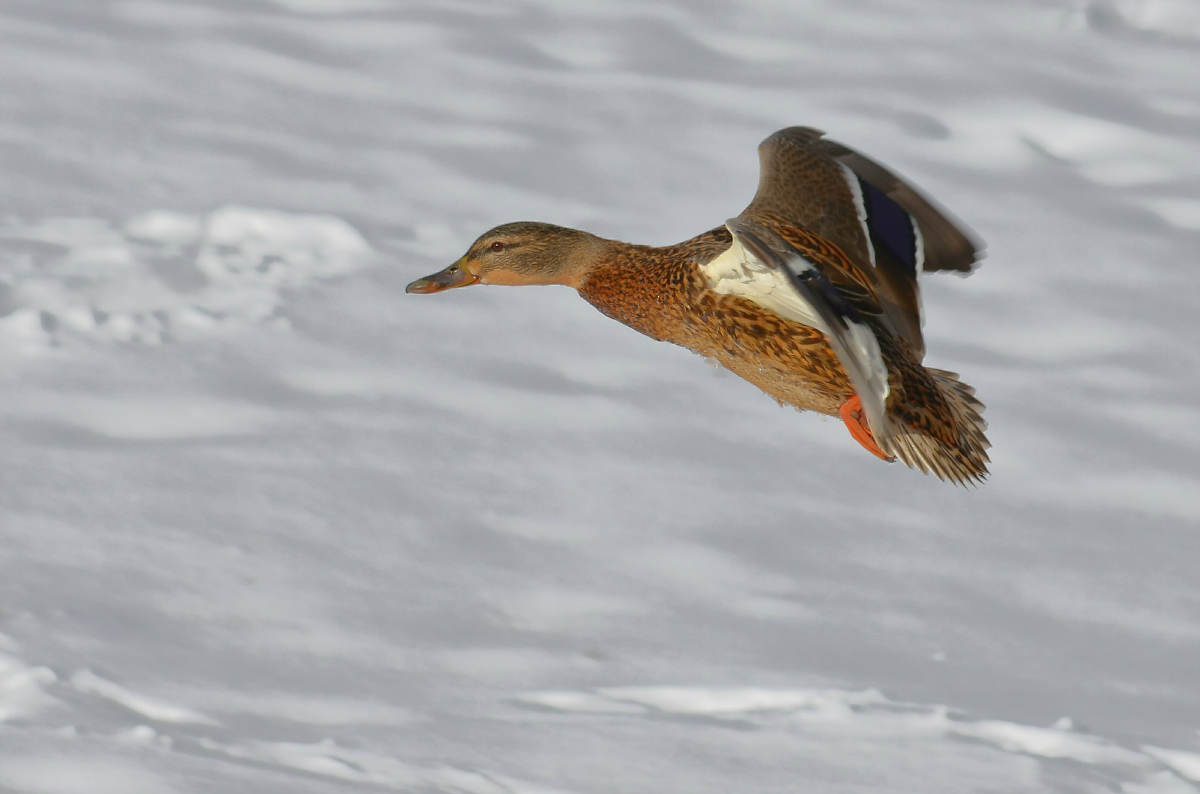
x,y
505,245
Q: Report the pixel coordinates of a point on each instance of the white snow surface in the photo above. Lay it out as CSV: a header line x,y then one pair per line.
x,y
268,524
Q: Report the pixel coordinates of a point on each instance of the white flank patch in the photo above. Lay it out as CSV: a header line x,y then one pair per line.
x,y
860,206
739,272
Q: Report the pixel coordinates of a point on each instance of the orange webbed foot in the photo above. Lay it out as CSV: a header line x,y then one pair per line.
x,y
852,414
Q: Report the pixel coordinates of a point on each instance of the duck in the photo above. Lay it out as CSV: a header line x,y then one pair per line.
x,y
811,294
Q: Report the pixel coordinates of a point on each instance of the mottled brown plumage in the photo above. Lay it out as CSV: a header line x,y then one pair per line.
x,y
661,293
844,217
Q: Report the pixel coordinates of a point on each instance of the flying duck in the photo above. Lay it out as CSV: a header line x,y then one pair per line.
x,y
811,294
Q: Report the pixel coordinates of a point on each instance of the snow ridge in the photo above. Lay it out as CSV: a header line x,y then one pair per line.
x,y
163,276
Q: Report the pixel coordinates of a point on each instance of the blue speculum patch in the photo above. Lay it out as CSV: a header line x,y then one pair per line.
x,y
890,226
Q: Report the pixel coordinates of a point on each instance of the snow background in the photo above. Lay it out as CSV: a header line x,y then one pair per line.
x,y
267,524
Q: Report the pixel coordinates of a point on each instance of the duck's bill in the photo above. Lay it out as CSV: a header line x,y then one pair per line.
x,y
457,275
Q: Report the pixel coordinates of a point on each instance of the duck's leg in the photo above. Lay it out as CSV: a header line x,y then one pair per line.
x,y
856,422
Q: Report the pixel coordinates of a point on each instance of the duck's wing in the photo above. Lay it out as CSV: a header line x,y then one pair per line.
x,y
886,226
796,284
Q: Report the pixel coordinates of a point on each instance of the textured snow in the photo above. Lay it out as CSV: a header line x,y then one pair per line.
x,y
164,276
89,683
1186,764
22,688
268,524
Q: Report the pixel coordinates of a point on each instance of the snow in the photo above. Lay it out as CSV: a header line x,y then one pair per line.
x,y
1186,764
89,683
268,524
80,775
22,688
165,275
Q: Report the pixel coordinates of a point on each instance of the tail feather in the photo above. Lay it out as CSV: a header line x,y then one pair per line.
x,y
964,462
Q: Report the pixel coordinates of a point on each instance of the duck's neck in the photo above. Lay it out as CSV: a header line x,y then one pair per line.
x,y
587,255
633,285
652,290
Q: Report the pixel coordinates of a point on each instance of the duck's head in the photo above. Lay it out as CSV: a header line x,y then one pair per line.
x,y
520,253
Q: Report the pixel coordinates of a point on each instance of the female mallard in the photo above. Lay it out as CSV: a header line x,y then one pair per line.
x,y
810,294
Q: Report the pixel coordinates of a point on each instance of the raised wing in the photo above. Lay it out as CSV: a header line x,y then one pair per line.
x,y
886,226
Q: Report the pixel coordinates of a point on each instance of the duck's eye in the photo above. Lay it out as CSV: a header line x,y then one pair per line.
x,y
497,246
